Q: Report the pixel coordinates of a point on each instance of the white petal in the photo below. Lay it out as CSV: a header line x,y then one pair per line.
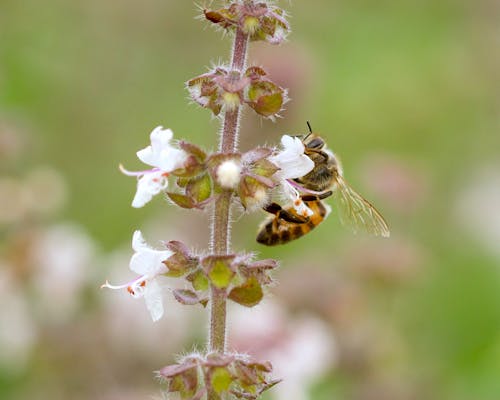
x,y
171,158
160,139
154,300
138,242
292,161
148,186
149,262
160,153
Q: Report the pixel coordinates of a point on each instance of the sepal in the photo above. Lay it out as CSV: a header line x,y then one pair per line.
x,y
234,375
219,270
259,20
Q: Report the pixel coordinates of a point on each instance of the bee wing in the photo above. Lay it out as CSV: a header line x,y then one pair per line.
x,y
356,212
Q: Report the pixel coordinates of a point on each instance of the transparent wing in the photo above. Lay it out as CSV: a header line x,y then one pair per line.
x,y
356,212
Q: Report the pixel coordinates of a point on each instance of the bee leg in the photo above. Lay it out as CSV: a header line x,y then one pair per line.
x,y
285,215
273,208
316,197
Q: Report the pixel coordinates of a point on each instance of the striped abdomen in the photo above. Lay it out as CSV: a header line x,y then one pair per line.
x,y
276,230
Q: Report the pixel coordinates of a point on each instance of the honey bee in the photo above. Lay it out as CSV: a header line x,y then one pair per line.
x,y
324,180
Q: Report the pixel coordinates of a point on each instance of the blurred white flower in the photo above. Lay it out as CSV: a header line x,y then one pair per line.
x,y
18,333
304,357
128,328
148,263
476,207
62,256
300,350
292,163
164,158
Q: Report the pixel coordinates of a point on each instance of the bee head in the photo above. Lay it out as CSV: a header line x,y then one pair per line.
x,y
313,141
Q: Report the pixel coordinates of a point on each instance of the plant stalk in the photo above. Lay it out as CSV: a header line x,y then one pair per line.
x,y
221,218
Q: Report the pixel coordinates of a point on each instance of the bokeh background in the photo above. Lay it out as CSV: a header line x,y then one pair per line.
x,y
407,92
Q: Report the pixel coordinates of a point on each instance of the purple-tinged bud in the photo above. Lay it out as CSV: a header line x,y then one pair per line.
x,y
223,89
225,17
252,193
253,189
234,374
266,98
218,360
220,89
259,20
218,373
182,378
189,298
181,261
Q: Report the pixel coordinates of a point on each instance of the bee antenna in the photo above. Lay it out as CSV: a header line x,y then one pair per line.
x,y
309,126
310,131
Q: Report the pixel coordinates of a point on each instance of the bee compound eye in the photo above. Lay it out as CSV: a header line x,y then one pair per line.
x,y
316,143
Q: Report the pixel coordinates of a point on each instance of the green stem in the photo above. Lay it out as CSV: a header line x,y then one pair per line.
x,y
221,217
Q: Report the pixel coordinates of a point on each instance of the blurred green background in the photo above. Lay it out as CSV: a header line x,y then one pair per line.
x,y
406,92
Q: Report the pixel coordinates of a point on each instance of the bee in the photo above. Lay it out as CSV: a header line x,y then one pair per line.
x,y
324,180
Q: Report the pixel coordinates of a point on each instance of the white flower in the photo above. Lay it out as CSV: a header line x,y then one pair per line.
x,y
148,263
160,153
164,158
149,185
293,163
228,174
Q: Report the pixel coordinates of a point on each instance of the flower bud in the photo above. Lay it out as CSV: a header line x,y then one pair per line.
x,y
182,378
259,20
181,261
236,374
219,89
231,101
250,25
225,89
252,193
228,174
266,98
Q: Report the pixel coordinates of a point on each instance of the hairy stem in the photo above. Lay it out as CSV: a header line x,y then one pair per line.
x,y
221,219
229,139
